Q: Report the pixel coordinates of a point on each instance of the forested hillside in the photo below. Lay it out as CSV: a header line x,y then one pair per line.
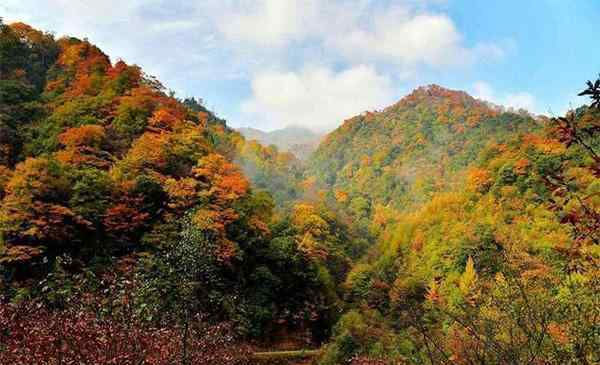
x,y
399,157
139,228
126,206
488,230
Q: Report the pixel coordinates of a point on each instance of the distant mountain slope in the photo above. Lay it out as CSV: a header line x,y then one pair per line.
x,y
253,133
410,149
298,140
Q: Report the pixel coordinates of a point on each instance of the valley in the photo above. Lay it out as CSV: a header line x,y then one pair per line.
x,y
137,227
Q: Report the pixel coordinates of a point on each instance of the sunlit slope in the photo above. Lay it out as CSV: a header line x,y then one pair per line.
x,y
419,145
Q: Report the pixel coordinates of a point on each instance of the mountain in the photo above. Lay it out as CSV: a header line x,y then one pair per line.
x,y
139,228
298,140
481,216
400,155
113,190
253,133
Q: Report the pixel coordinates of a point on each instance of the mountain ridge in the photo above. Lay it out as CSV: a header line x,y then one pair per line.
x,y
298,140
141,228
433,130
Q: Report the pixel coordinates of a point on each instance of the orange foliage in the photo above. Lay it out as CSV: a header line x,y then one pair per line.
x,y
26,31
37,223
309,183
125,217
31,177
203,119
433,293
121,69
216,221
165,118
418,241
479,179
450,106
223,181
546,145
142,99
521,166
83,147
84,57
182,193
558,333
5,176
341,196
85,62
462,345
87,135
148,151
312,229
16,254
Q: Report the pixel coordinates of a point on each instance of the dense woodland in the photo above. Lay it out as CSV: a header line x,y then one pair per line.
x,y
138,228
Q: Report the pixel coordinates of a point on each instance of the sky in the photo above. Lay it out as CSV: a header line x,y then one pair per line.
x,y
273,63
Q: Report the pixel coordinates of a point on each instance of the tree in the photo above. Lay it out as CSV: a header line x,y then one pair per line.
x,y
34,212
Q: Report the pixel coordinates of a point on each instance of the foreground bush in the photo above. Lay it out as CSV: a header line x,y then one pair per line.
x,y
31,334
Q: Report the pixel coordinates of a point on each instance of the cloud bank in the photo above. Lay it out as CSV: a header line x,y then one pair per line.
x,y
316,97
517,100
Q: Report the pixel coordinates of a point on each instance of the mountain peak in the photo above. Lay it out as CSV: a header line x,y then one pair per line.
x,y
434,92
442,101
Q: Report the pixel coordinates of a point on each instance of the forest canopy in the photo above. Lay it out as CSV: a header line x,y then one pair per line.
x,y
139,228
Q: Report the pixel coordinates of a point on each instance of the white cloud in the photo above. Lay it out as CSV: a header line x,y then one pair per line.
x,y
175,25
317,98
401,37
518,100
405,34
69,17
266,22
483,90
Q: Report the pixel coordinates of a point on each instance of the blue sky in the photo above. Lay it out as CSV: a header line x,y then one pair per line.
x,y
272,63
